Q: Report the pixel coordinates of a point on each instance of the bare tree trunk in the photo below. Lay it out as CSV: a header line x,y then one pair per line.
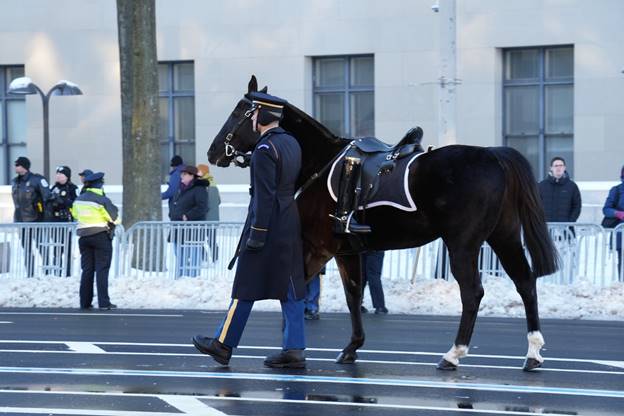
x,y
136,20
139,107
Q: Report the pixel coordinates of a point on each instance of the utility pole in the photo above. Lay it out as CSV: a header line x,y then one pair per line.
x,y
447,81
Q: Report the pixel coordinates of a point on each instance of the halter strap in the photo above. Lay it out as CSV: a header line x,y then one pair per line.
x,y
230,150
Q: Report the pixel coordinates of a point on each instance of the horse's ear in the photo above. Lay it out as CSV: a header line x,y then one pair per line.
x,y
253,84
265,89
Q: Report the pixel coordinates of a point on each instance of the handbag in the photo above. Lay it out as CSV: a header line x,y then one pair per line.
x,y
612,222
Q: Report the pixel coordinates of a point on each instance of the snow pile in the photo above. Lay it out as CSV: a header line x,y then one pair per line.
x,y
435,297
22,82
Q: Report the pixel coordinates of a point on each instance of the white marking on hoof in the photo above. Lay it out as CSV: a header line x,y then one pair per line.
x,y
455,353
536,342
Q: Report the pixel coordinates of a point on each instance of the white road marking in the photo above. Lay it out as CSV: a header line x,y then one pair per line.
x,y
619,364
5,322
393,406
94,313
563,391
292,401
363,351
190,405
95,412
364,361
85,348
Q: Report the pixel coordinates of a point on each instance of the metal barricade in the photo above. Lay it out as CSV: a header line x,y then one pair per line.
x,y
582,250
179,249
44,249
37,249
587,252
615,258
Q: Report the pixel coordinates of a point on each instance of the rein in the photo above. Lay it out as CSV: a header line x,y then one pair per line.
x,y
318,174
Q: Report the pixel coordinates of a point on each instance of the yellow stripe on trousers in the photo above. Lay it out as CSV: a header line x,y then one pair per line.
x,y
228,321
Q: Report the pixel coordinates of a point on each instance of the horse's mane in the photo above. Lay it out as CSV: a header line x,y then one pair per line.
x,y
301,124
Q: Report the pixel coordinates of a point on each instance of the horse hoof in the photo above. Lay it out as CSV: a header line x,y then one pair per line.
x,y
346,357
531,364
446,365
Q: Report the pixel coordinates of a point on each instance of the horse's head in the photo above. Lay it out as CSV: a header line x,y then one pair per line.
x,y
236,137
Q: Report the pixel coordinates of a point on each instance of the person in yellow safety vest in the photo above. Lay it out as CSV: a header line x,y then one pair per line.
x,y
96,216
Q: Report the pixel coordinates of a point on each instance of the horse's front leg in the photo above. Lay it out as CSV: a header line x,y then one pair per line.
x,y
351,273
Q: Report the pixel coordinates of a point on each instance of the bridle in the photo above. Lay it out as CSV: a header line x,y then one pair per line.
x,y
230,150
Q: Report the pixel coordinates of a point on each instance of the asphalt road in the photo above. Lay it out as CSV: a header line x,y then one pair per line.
x,y
141,363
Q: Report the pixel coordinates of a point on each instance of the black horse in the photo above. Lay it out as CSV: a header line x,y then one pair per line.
x,y
464,194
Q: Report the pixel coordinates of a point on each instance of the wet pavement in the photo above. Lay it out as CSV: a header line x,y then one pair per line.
x,y
142,363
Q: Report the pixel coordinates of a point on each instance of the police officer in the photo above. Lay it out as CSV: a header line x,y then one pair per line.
x,y
62,196
270,255
96,216
82,175
30,194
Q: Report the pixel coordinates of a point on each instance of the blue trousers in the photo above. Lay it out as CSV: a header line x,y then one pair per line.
x,y
188,260
372,262
293,338
313,293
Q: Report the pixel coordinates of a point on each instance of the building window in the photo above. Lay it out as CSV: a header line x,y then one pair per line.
x,y
344,94
538,100
12,122
177,112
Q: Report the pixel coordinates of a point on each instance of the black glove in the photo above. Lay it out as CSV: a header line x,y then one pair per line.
x,y
254,245
242,160
257,238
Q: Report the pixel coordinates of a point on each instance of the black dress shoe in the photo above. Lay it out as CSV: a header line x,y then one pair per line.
x,y
220,352
363,309
381,311
108,307
311,316
84,308
286,359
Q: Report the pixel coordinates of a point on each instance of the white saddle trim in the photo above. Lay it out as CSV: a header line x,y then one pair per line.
x,y
410,208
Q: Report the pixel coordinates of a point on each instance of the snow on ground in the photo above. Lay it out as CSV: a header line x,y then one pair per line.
x,y
435,297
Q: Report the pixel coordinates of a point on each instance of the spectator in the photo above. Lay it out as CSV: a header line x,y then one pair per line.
x,y
177,165
614,209
30,194
190,203
214,200
62,196
560,195
372,264
313,294
97,217
82,175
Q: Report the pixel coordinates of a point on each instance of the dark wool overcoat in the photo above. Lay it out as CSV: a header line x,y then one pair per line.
x,y
272,218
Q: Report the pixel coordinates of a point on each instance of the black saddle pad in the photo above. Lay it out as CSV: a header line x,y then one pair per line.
x,y
392,189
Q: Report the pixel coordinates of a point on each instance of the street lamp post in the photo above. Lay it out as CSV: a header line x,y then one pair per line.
x,y
25,86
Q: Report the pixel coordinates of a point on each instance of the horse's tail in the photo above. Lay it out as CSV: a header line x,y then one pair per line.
x,y
523,190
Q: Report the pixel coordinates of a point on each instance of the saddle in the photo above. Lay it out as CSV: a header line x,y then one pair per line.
x,y
378,158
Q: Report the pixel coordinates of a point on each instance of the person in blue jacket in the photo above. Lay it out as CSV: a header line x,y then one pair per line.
x,y
177,164
270,254
614,208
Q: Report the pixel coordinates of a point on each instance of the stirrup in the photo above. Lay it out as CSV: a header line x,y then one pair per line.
x,y
347,225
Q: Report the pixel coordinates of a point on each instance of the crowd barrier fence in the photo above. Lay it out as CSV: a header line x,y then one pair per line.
x,y
587,252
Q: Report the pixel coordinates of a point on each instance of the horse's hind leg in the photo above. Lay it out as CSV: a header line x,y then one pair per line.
x,y
512,257
464,268
351,273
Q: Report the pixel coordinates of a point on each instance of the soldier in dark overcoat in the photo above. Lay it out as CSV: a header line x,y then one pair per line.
x,y
270,255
